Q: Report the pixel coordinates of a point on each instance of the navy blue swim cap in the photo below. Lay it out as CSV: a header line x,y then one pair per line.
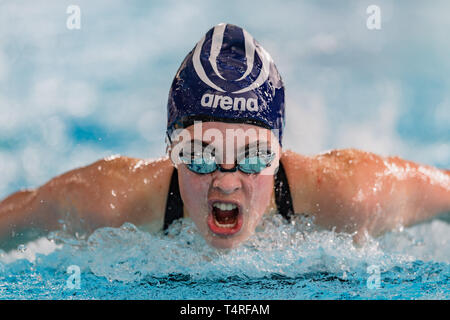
x,y
227,77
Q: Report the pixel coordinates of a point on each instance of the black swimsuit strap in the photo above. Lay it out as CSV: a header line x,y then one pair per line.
x,y
174,203
283,197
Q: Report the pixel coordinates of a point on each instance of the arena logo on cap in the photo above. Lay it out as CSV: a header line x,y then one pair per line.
x,y
227,103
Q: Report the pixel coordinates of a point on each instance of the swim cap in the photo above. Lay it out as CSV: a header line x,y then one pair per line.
x,y
227,77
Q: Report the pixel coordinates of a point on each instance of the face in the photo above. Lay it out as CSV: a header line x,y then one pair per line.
x,y
226,207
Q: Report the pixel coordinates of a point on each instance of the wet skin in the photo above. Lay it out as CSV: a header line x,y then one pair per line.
x,y
350,190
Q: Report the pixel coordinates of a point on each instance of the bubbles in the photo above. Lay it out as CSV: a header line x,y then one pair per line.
x,y
286,249
281,260
29,251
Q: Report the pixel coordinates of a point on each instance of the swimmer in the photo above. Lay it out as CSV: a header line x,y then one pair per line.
x,y
225,167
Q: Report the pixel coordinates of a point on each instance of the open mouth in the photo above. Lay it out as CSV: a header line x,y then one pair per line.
x,y
224,218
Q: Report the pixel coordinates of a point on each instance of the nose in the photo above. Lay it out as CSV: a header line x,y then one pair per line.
x,y
227,182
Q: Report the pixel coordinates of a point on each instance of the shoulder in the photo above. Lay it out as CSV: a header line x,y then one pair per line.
x,y
132,170
121,189
332,172
130,173
142,185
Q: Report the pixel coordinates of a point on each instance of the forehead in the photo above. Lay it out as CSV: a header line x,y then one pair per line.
x,y
241,133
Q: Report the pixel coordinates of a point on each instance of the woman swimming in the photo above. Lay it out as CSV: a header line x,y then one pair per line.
x,y
226,169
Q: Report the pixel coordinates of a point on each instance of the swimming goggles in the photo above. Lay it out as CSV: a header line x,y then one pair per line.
x,y
249,164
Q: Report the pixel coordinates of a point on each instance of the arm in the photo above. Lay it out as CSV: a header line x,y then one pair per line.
x,y
106,193
359,191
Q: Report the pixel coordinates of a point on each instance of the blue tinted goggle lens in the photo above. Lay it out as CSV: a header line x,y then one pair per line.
x,y
254,164
202,165
249,165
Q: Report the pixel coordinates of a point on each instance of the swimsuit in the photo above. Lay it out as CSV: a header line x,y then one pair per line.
x,y
283,199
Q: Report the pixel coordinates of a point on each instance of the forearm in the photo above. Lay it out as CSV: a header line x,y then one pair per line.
x,y
40,210
23,211
405,193
361,191
428,192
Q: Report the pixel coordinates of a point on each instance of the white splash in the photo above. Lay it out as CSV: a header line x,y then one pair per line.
x,y
30,250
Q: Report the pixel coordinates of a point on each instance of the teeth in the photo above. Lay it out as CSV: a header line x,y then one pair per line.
x,y
225,206
225,225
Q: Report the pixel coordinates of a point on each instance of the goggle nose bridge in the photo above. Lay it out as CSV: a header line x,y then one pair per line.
x,y
222,169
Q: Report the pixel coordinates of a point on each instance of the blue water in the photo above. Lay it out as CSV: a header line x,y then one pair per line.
x,y
281,261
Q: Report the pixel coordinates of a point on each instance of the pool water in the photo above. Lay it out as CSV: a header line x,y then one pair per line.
x,y
281,261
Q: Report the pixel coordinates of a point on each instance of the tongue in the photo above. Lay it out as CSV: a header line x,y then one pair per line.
x,y
225,216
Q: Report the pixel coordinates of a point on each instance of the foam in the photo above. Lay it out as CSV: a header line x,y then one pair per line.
x,y
288,250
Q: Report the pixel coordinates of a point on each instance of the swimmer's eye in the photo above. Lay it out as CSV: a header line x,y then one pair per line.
x,y
203,166
256,163
204,156
255,150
